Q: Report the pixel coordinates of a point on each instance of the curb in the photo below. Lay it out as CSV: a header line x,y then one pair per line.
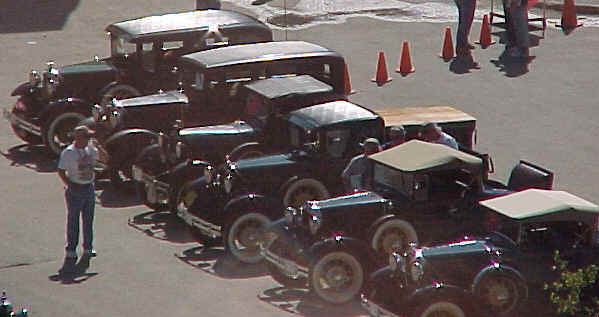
x,y
559,5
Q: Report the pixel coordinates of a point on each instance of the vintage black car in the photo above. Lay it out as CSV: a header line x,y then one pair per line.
x,y
244,195
211,93
423,192
262,130
143,53
494,274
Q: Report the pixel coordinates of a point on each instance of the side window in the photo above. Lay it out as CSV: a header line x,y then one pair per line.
x,y
336,142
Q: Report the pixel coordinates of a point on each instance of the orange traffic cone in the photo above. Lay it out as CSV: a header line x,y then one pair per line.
x,y
382,76
447,53
485,33
569,20
405,63
347,90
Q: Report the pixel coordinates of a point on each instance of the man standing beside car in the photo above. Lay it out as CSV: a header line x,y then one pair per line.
x,y
433,133
354,175
76,170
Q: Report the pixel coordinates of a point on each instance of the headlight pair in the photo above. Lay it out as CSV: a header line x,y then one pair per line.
x,y
289,214
397,262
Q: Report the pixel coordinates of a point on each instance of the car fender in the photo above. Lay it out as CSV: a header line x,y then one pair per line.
x,y
242,147
187,167
22,89
378,222
354,246
127,144
496,267
288,183
269,206
65,105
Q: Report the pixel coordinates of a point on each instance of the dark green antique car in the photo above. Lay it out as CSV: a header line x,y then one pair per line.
x,y
235,201
492,274
211,93
262,130
143,54
422,192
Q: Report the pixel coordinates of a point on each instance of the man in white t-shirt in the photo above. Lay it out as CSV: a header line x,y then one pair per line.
x,y
431,132
356,175
76,170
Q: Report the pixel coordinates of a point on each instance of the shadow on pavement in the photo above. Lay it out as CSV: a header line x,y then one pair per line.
x,y
217,262
34,157
73,272
116,196
35,15
463,64
161,225
302,302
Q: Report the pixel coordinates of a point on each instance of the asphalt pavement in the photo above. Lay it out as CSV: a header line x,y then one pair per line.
x,y
543,111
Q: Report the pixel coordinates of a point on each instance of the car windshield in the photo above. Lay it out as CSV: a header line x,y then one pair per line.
x,y
120,47
393,179
558,235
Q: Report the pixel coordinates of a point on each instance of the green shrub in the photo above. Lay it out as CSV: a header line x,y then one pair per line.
x,y
571,292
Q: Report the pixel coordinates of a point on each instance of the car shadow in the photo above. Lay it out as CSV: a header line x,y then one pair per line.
x,y
303,302
161,225
73,272
214,260
34,15
35,157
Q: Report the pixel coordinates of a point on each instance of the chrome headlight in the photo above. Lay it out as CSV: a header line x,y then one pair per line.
x,y
416,270
161,139
397,261
179,150
289,215
228,184
114,118
208,173
315,222
34,78
96,112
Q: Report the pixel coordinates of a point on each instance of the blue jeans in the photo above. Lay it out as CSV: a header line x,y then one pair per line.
x,y
516,25
81,202
465,17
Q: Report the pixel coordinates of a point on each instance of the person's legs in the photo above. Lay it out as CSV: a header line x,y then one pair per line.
x,y
87,215
510,38
520,26
74,204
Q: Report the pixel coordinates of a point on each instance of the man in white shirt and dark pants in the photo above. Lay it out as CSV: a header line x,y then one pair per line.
x,y
76,169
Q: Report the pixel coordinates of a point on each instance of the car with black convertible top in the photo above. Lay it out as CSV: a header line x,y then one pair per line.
x,y
233,201
211,93
261,131
501,273
422,193
143,53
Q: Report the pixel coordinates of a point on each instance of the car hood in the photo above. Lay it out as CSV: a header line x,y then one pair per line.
x,y
456,249
166,98
358,200
266,165
91,67
220,138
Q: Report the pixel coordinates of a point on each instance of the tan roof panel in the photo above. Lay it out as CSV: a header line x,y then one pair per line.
x,y
422,156
537,202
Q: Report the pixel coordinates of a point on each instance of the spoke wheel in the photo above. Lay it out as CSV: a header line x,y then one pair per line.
x,y
499,292
59,133
440,308
304,190
337,277
242,236
394,236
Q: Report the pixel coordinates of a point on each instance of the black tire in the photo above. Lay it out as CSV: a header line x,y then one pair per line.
x,y
500,293
394,235
304,190
440,308
276,274
120,91
58,131
241,236
336,277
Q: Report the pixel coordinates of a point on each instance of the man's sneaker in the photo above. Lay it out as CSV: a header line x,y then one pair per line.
x,y
71,254
91,253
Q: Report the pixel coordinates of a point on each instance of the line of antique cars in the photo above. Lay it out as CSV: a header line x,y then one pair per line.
x,y
245,139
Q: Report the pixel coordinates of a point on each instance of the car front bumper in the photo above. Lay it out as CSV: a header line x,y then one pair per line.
x,y
206,228
21,123
156,191
288,267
